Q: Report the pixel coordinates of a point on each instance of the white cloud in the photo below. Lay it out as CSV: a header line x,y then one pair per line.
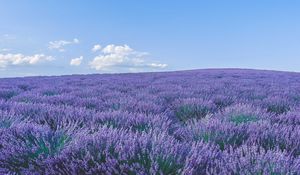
x,y
76,41
96,48
60,44
122,57
16,59
76,61
157,65
103,62
5,50
120,50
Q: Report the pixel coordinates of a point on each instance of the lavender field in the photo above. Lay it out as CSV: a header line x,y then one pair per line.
x,y
218,121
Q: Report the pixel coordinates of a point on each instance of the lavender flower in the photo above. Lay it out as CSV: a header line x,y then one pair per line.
x,y
189,122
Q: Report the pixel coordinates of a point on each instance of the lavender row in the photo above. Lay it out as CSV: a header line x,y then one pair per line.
x,y
191,122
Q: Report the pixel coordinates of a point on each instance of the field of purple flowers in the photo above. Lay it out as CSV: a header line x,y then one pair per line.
x,y
189,122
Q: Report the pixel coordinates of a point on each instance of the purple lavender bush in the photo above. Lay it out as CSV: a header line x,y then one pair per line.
x,y
190,122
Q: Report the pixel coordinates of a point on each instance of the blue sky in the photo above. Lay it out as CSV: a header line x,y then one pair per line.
x,y
55,37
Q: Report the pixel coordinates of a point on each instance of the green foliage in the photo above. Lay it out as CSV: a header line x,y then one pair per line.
x,y
222,103
243,118
221,138
270,142
24,87
91,106
110,123
137,127
278,108
169,165
206,136
115,106
45,146
140,127
7,94
34,148
187,112
5,123
141,158
50,93
211,136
